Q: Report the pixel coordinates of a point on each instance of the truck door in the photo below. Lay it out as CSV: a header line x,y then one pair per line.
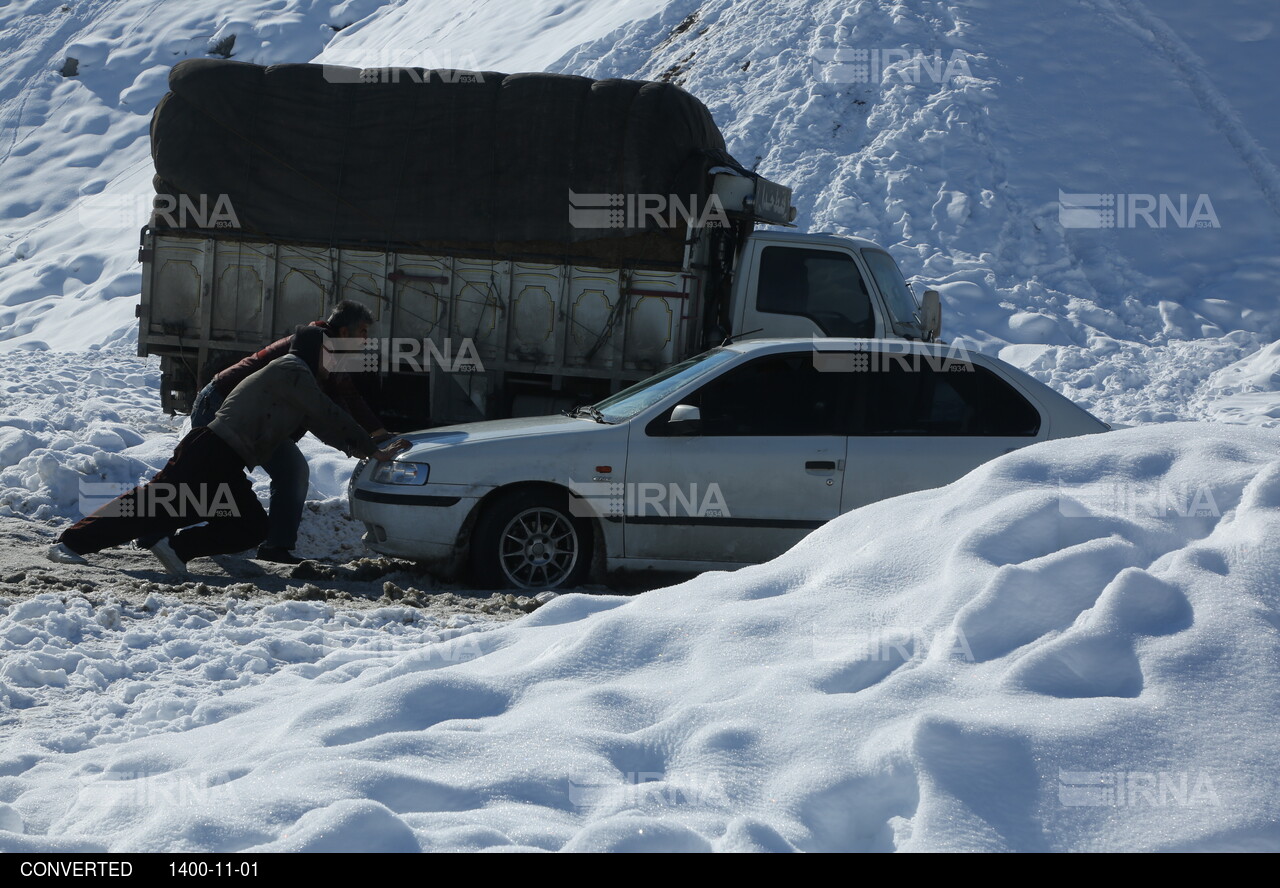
x,y
806,291
763,470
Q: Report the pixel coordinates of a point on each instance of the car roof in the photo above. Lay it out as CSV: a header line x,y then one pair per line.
x,y
837,344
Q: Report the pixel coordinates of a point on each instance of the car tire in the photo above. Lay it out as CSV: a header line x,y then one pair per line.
x,y
529,539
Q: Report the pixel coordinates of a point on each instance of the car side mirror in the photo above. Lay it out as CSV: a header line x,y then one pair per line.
x,y
931,315
686,419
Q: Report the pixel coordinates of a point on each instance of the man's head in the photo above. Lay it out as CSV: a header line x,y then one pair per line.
x,y
350,320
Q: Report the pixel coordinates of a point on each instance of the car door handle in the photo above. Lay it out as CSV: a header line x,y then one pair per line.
x,y
820,466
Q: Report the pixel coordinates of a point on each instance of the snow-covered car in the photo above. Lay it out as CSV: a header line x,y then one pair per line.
x,y
726,459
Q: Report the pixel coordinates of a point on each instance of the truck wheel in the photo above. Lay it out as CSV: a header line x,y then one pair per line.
x,y
529,540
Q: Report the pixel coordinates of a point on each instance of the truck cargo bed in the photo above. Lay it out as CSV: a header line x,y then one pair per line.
x,y
471,323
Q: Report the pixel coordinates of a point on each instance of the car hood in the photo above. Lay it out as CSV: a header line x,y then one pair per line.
x,y
473,432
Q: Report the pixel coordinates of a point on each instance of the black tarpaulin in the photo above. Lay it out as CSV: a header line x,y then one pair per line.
x,y
418,158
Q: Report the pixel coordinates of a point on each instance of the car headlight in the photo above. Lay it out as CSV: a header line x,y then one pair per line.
x,y
396,472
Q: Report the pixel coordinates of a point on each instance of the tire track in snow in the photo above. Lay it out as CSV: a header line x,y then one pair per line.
x,y
35,40
1219,110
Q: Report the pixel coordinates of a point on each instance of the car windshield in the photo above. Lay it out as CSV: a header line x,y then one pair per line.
x,y
630,401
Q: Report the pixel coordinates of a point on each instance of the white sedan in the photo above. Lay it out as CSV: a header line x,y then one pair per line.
x,y
726,459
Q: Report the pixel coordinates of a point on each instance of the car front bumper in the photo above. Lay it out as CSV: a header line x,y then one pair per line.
x,y
422,523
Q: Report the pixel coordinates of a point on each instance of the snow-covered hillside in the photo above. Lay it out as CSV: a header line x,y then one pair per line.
x,y
944,131
956,162
1073,648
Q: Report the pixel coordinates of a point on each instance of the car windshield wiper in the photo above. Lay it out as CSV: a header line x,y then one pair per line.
x,y
591,412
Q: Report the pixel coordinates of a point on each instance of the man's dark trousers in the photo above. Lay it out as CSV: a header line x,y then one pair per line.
x,y
204,472
287,468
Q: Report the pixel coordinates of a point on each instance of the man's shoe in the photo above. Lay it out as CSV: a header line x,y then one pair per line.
x,y
60,554
169,558
277,555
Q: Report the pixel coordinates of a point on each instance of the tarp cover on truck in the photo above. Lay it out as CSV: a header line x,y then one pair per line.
x,y
410,157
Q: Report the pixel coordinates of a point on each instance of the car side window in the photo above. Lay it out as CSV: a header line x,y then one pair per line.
x,y
916,395
773,396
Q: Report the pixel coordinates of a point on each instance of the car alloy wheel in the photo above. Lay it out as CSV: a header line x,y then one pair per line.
x,y
529,540
539,548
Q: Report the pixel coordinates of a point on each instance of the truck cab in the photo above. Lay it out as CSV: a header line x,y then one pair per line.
x,y
798,285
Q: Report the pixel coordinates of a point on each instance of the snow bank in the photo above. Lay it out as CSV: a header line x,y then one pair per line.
x,y
1075,647
75,153
946,133
480,36
72,420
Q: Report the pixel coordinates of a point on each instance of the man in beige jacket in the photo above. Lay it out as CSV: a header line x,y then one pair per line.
x,y
205,480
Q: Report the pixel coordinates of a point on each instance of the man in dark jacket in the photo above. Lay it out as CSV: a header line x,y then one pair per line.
x,y
286,466
205,480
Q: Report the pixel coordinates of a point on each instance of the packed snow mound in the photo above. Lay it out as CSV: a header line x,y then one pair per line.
x,y
489,35
71,421
77,88
1075,647
948,135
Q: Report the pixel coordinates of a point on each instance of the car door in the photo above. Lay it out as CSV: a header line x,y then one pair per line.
x,y
761,471
922,421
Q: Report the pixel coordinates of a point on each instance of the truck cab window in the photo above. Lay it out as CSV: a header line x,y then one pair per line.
x,y
824,286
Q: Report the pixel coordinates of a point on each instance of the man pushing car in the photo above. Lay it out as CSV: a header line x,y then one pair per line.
x,y
286,466
278,403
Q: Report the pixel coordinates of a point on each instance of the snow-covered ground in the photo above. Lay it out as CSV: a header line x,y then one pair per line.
x,y
1073,648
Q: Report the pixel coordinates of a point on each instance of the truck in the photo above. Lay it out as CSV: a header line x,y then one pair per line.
x,y
525,242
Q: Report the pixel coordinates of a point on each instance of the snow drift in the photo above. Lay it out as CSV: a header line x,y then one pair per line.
x,y
1075,647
